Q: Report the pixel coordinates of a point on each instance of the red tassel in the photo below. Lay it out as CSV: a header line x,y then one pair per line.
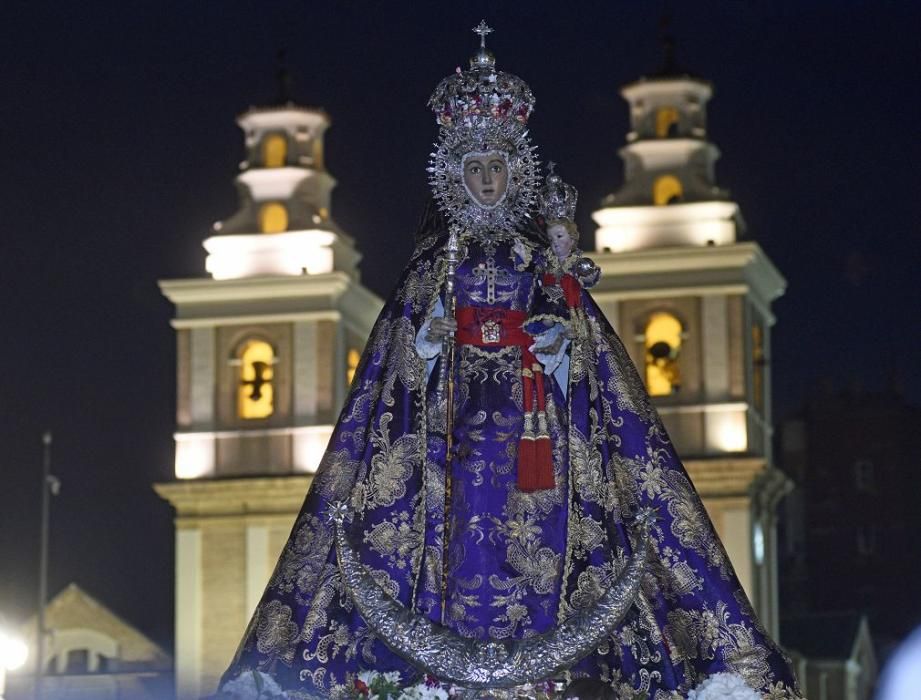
x,y
527,471
535,452
526,449
543,463
543,448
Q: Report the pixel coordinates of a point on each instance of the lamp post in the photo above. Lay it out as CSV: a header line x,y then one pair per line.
x,y
50,487
13,654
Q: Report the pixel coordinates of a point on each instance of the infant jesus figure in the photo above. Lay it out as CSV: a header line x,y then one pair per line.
x,y
573,272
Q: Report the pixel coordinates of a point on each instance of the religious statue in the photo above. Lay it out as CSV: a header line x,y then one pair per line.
x,y
499,501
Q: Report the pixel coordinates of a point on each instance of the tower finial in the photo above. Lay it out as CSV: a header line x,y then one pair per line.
x,y
667,38
282,78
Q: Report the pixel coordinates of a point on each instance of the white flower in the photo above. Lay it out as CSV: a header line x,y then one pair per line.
x,y
367,677
421,691
392,677
724,686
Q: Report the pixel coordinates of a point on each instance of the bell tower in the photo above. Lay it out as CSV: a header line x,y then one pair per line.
x,y
692,302
266,346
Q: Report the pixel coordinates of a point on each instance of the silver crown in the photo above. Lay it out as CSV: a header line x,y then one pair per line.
x,y
466,98
557,199
479,111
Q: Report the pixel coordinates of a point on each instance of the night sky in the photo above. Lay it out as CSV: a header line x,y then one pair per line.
x,y
119,148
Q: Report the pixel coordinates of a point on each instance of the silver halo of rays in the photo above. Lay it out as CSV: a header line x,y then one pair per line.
x,y
483,110
446,176
476,664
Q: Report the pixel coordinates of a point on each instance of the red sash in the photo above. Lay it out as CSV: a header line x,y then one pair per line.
x,y
490,326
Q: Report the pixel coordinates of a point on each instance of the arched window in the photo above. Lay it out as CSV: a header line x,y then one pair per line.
x,y
78,661
256,391
274,151
663,348
273,218
667,189
666,122
352,358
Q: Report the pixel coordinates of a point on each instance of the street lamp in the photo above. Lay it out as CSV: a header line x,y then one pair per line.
x,y
51,485
13,655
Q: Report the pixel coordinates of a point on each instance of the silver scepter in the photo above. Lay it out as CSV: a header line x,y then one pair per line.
x,y
446,391
447,343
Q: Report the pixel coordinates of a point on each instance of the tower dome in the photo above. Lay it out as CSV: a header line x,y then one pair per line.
x,y
283,225
669,195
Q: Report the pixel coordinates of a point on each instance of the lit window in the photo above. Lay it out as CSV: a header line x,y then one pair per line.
x,y
666,122
318,154
663,347
273,218
255,393
274,151
351,362
758,363
667,189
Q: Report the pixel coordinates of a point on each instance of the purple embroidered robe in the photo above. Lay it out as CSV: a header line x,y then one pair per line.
x,y
516,562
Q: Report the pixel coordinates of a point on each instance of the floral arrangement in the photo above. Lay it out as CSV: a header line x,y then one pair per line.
x,y
724,686
372,685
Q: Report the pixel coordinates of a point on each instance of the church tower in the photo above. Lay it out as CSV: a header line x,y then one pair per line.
x,y
692,302
266,346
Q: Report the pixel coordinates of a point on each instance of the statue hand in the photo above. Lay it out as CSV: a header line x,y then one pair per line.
x,y
551,348
440,327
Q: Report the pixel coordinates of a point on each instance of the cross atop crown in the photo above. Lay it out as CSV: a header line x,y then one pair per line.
x,y
483,29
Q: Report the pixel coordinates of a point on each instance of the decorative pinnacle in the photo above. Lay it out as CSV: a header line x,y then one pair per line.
x,y
550,166
483,29
282,78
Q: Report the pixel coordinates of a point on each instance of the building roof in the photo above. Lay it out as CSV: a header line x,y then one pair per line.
x,y
75,609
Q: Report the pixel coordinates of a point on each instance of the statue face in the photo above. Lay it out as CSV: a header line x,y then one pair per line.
x,y
560,240
486,177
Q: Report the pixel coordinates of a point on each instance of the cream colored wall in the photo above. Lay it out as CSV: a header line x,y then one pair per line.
x,y
223,572
229,534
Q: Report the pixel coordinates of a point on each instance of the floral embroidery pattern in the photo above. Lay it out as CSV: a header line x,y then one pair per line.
x,y
482,556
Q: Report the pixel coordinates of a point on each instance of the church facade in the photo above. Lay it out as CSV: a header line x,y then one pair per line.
x,y
266,344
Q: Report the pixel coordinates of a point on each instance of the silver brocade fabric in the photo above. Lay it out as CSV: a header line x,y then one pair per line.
x,y
471,663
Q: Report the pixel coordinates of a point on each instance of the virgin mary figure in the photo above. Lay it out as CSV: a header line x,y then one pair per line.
x,y
494,451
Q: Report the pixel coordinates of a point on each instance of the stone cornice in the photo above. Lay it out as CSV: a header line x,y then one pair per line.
x,y
656,272
215,498
204,301
205,290
657,148
666,85
725,477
